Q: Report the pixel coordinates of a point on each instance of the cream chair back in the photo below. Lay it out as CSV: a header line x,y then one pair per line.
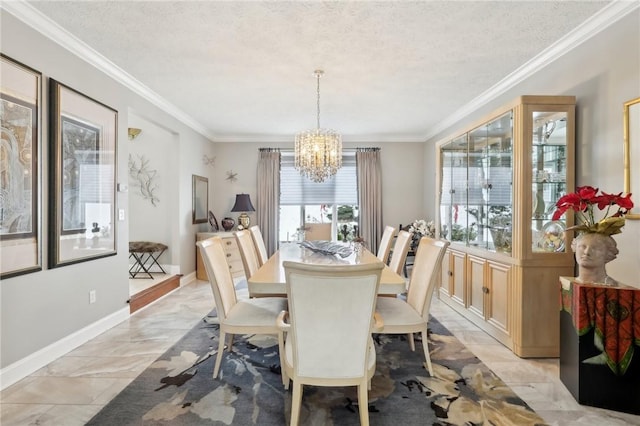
x,y
247,252
258,241
236,316
331,315
385,243
317,231
425,273
215,263
400,250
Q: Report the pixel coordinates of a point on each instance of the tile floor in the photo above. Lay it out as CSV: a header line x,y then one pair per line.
x,y
70,390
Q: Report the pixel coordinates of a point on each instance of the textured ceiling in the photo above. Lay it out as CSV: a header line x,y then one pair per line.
x,y
393,69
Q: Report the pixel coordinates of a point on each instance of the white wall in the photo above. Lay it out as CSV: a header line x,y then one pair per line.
x,y
602,73
150,218
51,307
190,162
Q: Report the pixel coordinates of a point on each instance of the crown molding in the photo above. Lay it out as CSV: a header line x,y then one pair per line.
x,y
607,16
269,138
41,23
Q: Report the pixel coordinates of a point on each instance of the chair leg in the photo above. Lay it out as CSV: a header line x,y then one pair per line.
x,y
363,403
230,342
412,344
283,373
425,346
221,340
296,402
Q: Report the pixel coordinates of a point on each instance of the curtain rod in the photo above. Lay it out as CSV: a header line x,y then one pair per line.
x,y
343,149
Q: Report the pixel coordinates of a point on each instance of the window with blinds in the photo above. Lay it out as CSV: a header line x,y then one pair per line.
x,y
303,201
296,189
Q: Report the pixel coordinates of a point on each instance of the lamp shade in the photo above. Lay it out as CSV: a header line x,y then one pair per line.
x,y
243,204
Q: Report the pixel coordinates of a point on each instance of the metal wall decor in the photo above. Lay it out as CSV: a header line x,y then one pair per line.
x,y
20,111
143,178
82,190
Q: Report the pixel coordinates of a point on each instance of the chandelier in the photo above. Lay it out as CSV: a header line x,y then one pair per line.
x,y
318,152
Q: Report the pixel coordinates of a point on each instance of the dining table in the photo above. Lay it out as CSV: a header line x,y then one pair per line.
x,y
269,279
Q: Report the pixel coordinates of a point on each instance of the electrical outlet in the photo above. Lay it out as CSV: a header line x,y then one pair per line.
x,y
120,214
92,296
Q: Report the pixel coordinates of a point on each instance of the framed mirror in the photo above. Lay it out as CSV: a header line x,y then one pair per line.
x,y
200,203
632,152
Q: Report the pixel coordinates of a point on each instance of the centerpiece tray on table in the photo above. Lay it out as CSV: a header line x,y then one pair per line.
x,y
327,248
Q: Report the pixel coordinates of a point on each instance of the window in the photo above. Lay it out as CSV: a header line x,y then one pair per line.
x,y
303,201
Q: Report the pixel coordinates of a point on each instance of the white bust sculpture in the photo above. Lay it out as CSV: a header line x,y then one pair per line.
x,y
593,252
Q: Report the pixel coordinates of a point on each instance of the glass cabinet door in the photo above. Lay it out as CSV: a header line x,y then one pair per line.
x,y
548,179
491,183
499,187
476,226
453,191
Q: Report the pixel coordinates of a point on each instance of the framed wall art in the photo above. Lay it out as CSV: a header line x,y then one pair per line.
x,y
632,152
83,155
200,199
20,111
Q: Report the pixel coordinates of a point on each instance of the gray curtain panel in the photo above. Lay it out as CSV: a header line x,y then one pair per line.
x,y
268,196
370,196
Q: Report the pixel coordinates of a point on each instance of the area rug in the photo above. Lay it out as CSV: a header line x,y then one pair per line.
x,y
178,389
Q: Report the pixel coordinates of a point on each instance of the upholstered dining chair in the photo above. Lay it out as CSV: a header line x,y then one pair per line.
x,y
411,316
258,242
317,231
256,316
247,252
385,243
328,329
400,250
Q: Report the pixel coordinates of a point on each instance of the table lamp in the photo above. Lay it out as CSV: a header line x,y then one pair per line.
x,y
243,204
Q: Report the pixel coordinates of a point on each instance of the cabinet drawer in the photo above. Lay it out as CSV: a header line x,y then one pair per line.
x,y
237,268
233,256
231,251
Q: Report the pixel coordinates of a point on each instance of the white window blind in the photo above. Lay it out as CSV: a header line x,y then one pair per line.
x,y
296,189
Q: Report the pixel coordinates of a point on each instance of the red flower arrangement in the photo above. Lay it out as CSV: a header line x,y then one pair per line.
x,y
583,202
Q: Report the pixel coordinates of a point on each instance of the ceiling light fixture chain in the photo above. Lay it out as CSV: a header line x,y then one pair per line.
x,y
318,74
318,152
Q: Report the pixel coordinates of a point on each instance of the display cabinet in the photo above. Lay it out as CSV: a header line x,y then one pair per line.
x,y
498,183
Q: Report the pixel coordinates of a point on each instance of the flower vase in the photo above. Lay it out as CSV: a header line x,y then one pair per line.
x,y
593,251
227,223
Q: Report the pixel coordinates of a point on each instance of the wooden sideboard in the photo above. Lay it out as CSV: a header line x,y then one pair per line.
x,y
231,249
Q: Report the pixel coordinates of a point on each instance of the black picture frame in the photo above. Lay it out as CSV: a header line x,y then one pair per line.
x,y
20,212
82,183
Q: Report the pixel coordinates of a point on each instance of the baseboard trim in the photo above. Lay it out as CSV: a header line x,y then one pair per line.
x,y
186,279
31,363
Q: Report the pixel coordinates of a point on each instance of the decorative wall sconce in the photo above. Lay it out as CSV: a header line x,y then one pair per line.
x,y
133,133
